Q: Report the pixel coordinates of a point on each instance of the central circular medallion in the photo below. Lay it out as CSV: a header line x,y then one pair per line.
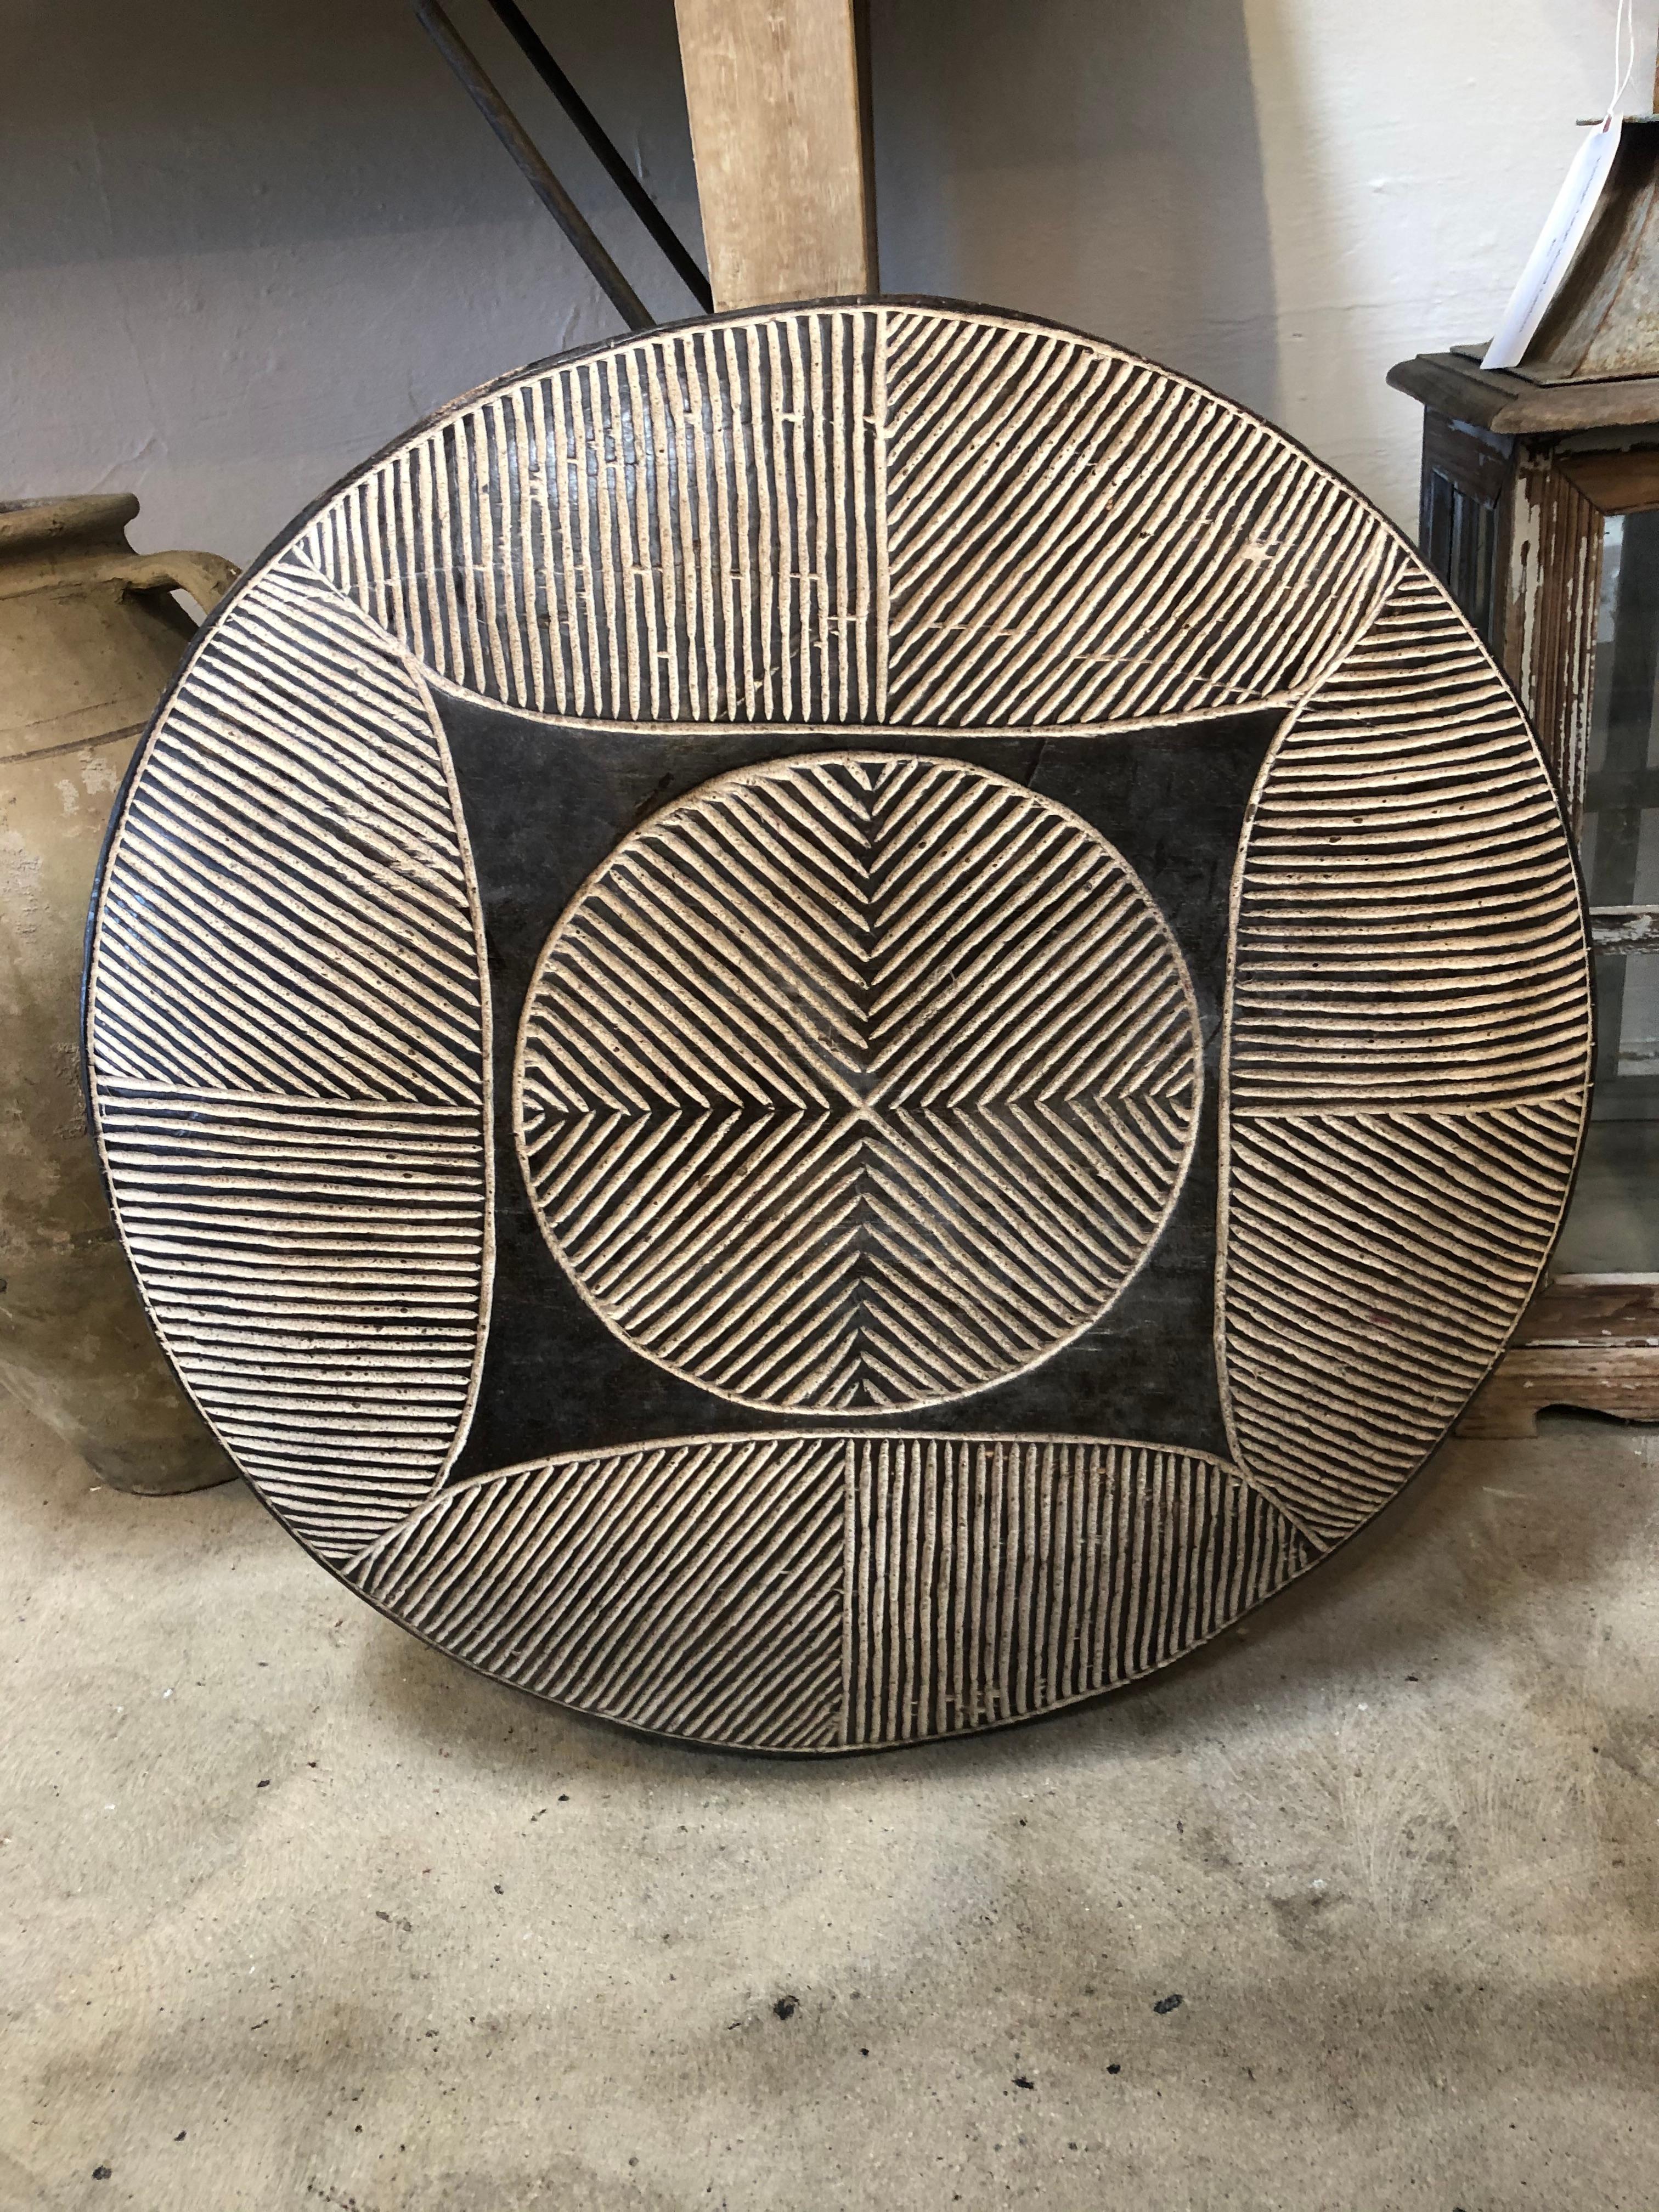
x,y
857,1082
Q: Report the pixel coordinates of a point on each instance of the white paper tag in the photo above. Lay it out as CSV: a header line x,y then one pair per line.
x,y
1559,240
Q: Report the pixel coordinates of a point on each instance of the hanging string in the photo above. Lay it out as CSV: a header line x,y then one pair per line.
x,y
1624,56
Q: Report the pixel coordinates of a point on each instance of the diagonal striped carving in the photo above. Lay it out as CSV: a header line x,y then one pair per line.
x,y
287,1038
680,528
690,1588
858,1082
992,1579
1074,535
819,1593
1376,1265
1407,1064
291,912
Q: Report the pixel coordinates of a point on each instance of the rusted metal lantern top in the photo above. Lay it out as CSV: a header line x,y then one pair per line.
x,y
1592,362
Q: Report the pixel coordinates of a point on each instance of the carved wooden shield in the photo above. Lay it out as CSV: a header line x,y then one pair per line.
x,y
829,1027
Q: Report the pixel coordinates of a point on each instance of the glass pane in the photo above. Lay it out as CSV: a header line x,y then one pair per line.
x,y
1614,1224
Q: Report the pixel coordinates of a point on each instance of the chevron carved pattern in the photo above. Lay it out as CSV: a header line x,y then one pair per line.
x,y
857,1083
854,1080
1407,1065
815,1593
288,1049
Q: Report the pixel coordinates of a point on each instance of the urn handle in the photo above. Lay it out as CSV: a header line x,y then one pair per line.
x,y
206,576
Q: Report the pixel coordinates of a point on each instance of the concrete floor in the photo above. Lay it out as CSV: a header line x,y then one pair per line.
x,y
1358,1910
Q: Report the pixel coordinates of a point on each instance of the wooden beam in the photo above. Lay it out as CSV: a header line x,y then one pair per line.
x,y
1620,483
1588,1341
1622,1379
779,135
1549,593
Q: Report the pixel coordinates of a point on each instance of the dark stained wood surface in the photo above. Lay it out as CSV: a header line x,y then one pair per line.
x,y
1624,482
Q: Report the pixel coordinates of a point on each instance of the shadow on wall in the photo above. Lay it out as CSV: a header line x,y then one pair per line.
x,y
1097,162
199,128
246,245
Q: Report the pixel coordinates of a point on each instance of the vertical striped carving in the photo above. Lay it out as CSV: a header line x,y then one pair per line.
x,y
1074,535
288,1040
1407,1064
991,1578
682,528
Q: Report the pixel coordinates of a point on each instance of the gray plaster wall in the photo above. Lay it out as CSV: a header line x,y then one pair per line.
x,y
245,242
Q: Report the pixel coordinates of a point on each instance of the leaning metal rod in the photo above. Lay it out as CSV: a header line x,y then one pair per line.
x,y
535,51
540,179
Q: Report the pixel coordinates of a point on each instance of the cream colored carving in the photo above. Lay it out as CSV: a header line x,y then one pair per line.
x,y
857,1083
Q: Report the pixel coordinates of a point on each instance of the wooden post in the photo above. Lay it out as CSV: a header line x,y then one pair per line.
x,y
779,131
1544,634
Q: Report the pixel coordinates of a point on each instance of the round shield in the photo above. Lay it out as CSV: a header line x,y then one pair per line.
x,y
829,1027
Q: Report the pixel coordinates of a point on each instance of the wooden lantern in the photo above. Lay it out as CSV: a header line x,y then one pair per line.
x,y
1540,510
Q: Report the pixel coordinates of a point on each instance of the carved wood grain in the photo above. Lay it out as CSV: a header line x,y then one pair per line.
x,y
858,1078
945,1005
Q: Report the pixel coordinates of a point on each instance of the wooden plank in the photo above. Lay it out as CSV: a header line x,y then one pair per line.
x,y
779,135
1545,632
1625,929
1590,1341
1622,1380
1594,1310
1617,482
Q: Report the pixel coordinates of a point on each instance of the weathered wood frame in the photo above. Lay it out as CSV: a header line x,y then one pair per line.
x,y
1518,481
779,97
